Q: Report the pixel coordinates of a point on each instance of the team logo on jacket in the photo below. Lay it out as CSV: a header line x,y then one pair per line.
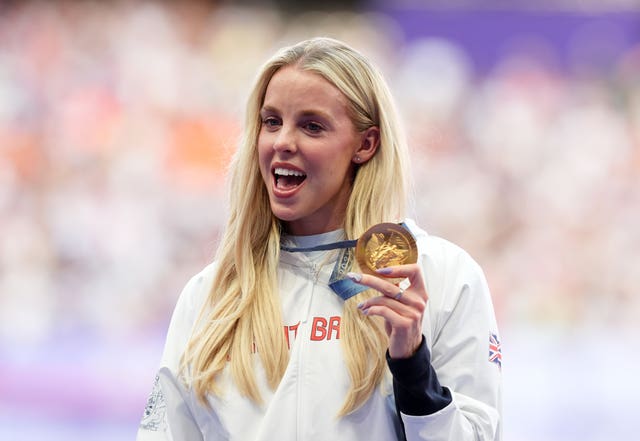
x,y
495,350
154,412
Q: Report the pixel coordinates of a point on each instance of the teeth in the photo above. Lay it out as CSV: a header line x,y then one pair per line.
x,y
286,172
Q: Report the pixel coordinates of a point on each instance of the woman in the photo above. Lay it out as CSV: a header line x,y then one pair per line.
x,y
283,337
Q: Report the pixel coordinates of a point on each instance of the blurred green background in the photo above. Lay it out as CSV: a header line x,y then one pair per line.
x,y
117,122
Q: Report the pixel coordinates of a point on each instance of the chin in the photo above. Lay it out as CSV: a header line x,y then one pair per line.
x,y
284,214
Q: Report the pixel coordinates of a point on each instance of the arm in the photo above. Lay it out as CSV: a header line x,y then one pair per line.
x,y
167,411
446,389
416,388
460,322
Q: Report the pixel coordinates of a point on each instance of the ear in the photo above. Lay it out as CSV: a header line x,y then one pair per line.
x,y
369,141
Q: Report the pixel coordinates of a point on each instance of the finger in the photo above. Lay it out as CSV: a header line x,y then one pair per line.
x,y
412,272
401,324
408,305
395,315
404,329
381,285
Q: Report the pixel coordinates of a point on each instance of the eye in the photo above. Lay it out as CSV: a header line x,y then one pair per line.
x,y
313,127
270,122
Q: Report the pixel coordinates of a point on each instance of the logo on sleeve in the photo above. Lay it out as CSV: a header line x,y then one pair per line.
x,y
154,412
495,350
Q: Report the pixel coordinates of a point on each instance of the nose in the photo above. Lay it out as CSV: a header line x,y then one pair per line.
x,y
285,140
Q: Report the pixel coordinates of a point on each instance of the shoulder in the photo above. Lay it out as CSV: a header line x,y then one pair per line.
x,y
186,313
441,255
450,273
460,307
194,294
197,288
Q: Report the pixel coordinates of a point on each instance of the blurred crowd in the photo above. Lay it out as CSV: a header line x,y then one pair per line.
x,y
118,119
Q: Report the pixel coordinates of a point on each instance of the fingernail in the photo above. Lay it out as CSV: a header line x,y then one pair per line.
x,y
384,271
360,305
365,311
356,277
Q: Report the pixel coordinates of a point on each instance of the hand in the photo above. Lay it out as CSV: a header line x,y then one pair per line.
x,y
402,309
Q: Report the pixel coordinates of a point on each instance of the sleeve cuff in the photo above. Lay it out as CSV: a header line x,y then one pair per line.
x,y
416,387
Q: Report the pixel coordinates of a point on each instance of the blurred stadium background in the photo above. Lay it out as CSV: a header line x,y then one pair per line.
x,y
117,120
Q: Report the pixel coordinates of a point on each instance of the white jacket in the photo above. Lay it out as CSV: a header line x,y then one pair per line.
x,y
458,324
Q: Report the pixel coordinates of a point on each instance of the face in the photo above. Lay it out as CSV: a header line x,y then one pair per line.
x,y
307,150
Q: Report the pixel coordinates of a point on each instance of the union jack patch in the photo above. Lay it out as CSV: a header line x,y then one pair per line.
x,y
495,350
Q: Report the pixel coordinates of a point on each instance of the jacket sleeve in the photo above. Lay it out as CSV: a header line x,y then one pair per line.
x,y
167,410
416,388
463,342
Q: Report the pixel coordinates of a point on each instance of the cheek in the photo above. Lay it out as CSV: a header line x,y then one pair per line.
x,y
337,173
264,161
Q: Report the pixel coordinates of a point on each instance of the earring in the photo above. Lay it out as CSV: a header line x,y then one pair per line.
x,y
357,158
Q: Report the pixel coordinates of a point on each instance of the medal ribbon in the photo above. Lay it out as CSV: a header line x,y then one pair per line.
x,y
345,288
323,247
342,286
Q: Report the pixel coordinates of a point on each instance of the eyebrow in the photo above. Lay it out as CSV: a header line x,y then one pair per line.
x,y
304,113
267,109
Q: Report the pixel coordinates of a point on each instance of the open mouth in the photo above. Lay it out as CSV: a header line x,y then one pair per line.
x,y
287,179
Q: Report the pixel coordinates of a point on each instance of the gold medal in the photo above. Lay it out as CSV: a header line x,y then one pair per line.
x,y
384,245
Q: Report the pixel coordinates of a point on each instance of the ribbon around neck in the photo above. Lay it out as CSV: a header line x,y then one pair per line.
x,y
344,287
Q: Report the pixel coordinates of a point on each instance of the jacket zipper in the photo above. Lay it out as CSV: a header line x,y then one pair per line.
x,y
315,276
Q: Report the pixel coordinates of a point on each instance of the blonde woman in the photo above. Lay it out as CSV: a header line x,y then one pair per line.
x,y
283,337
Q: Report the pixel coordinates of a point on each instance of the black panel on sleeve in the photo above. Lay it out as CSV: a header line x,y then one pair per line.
x,y
416,387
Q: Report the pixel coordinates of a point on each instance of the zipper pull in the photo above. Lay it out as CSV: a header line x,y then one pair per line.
x,y
315,272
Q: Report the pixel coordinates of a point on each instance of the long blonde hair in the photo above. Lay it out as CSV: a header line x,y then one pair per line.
x,y
243,307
